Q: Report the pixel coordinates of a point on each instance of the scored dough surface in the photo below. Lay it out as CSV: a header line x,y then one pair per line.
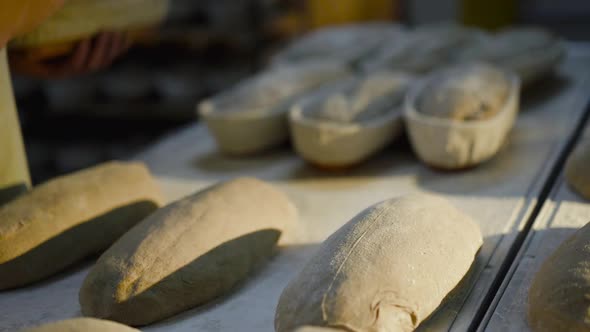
x,y
559,297
385,270
82,325
465,93
188,252
71,217
577,169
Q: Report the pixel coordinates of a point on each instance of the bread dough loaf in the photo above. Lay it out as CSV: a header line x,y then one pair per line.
x,y
78,19
187,253
365,99
385,270
71,217
577,169
345,123
252,116
318,329
508,44
559,296
82,325
346,44
465,93
530,52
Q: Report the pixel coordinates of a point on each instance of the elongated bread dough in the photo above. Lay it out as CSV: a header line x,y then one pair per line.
x,y
78,19
465,93
530,52
82,325
71,217
318,329
559,297
577,169
187,253
385,270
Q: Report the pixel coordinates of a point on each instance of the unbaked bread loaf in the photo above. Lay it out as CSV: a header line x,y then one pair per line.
x,y
530,52
423,49
465,93
461,116
82,325
385,270
577,169
347,44
559,295
187,253
252,116
78,19
318,329
71,217
364,99
345,123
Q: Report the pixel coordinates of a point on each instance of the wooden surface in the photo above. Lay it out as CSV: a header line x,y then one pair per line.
x,y
562,214
500,195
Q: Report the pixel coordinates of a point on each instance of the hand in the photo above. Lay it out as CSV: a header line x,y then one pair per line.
x,y
87,56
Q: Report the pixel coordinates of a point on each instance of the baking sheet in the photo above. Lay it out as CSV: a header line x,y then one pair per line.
x,y
499,195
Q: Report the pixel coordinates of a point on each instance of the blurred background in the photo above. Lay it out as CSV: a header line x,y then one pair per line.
x,y
206,46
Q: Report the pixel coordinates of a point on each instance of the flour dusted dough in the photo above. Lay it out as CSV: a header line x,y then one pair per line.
x,y
423,49
318,329
530,52
82,18
345,123
559,297
465,93
187,253
346,44
577,169
71,217
252,116
363,100
82,325
461,116
385,270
